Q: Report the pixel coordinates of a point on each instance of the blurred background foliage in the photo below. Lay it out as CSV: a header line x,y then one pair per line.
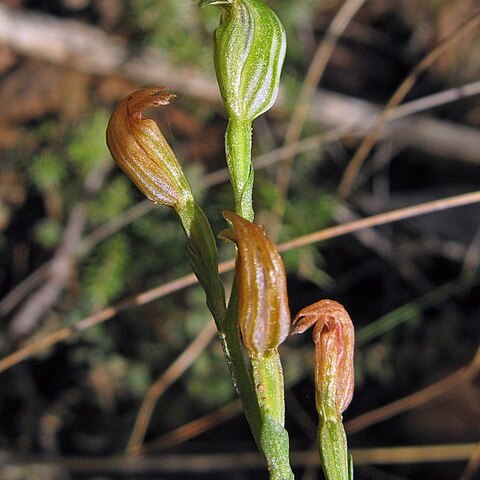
x,y
59,190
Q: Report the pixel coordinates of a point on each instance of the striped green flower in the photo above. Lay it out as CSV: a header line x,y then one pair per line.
x,y
250,47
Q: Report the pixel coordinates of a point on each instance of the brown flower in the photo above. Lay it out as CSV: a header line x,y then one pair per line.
x,y
263,312
141,151
334,337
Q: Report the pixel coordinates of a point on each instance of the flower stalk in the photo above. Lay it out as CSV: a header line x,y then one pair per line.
x,y
333,335
139,148
264,322
142,152
238,151
249,51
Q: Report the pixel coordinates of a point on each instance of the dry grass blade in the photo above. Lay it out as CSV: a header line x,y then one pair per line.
x,y
15,296
113,226
299,116
228,462
51,339
176,369
188,280
53,285
372,417
20,291
194,428
49,280
473,464
435,100
366,146
381,219
413,454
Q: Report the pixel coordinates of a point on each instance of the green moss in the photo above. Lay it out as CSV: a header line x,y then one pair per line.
x,y
112,200
48,232
86,146
47,170
106,275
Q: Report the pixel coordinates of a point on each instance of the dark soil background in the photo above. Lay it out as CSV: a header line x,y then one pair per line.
x,y
411,287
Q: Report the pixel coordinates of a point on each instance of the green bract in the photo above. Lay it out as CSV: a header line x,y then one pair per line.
x,y
250,46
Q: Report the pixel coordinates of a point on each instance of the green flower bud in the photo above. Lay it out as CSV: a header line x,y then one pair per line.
x,y
249,50
141,151
263,313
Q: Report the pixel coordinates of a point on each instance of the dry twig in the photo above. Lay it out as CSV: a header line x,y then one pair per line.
x,y
420,397
366,146
229,462
173,372
60,266
295,126
188,280
89,49
473,464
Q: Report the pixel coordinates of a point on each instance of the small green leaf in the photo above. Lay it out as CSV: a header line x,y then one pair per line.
x,y
275,444
332,444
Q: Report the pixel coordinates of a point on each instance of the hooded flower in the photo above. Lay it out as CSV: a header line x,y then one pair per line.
x,y
141,151
333,335
263,312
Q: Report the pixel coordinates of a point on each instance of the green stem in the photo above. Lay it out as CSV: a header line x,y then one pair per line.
x,y
268,378
238,367
264,415
332,445
203,257
238,148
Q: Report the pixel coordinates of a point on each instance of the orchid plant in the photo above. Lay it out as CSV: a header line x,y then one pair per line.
x,y
249,50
